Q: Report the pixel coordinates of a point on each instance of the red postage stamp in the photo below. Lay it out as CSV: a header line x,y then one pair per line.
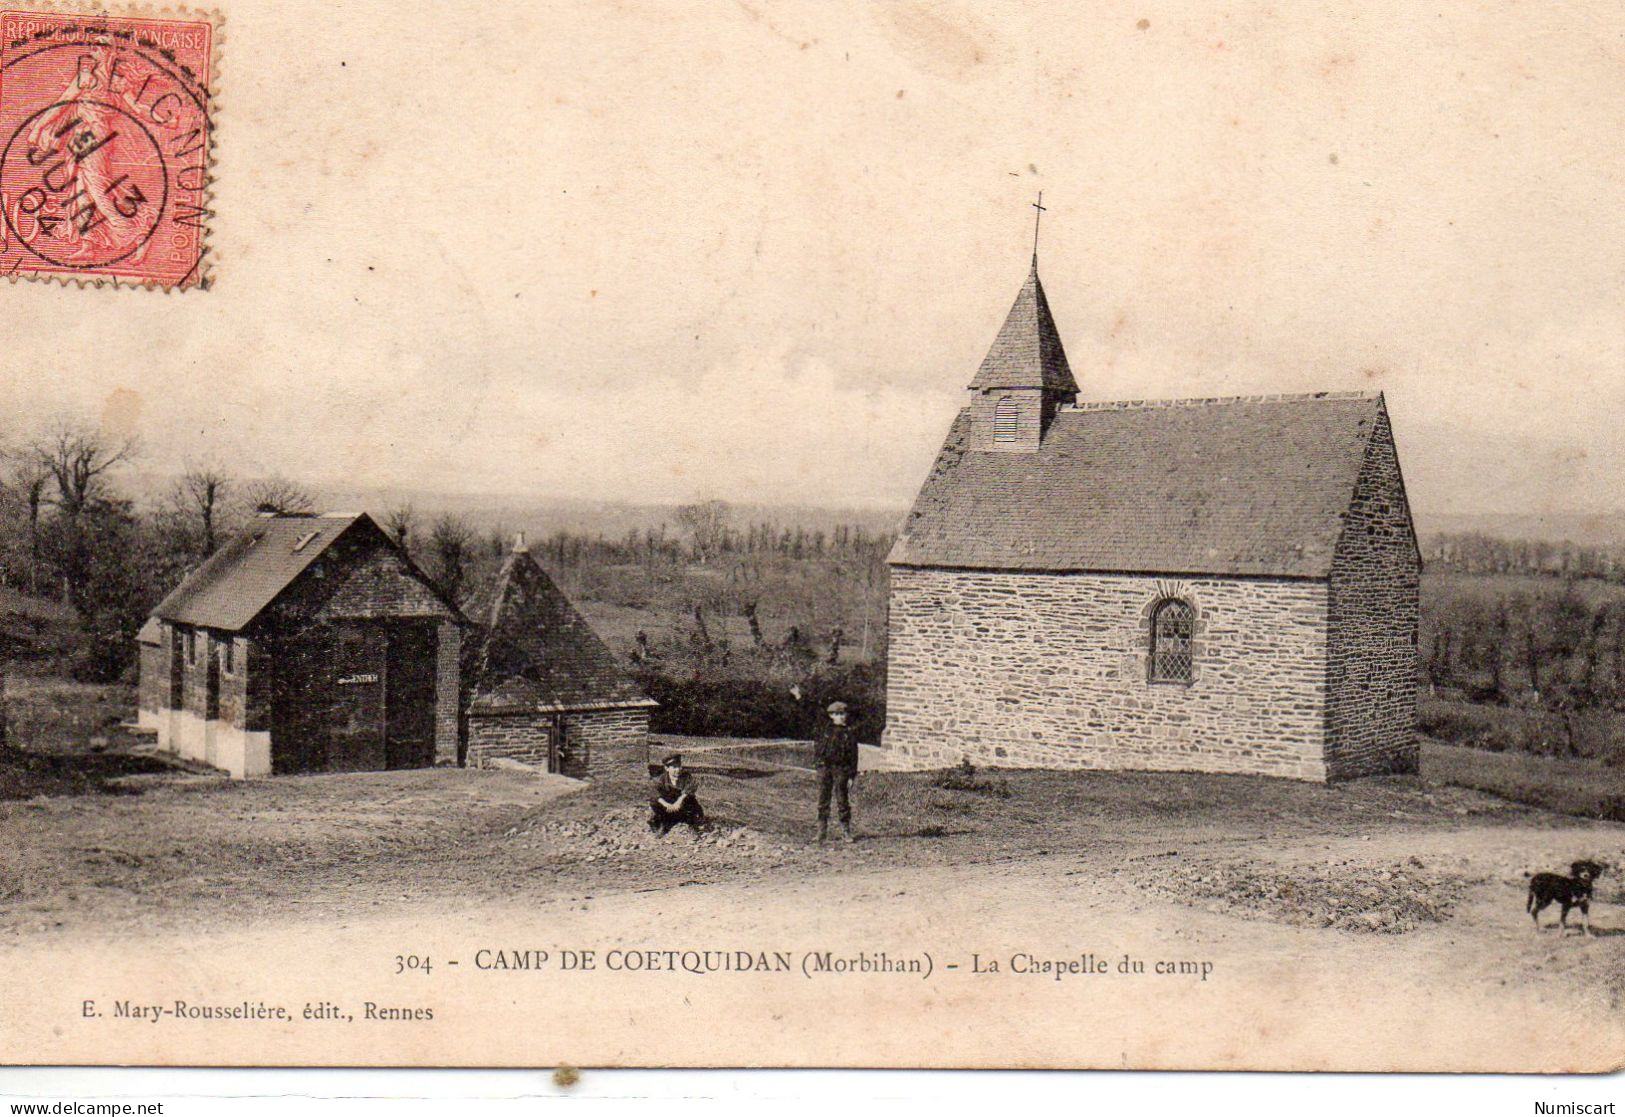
x,y
105,121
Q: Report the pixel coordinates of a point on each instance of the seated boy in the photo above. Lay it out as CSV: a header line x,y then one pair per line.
x,y
674,801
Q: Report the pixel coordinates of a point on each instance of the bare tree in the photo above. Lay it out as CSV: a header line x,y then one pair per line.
x,y
279,495
707,523
755,623
76,459
1595,640
201,495
30,479
451,545
1501,627
400,522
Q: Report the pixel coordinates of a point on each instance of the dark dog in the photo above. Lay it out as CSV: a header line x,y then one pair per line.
x,y
1572,891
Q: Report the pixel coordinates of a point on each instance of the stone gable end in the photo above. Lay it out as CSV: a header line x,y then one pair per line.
x,y
1374,617
378,583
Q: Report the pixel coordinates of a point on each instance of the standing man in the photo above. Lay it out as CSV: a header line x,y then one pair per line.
x,y
674,802
836,752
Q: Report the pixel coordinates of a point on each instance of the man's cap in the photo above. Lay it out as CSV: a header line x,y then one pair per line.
x,y
675,760
837,707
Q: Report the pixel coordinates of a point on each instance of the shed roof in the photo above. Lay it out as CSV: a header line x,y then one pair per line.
x,y
1242,486
534,651
237,582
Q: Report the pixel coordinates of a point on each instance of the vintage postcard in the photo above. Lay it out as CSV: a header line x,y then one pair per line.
x,y
923,534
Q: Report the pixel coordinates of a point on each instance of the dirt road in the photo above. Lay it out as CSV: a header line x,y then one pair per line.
x,y
1378,925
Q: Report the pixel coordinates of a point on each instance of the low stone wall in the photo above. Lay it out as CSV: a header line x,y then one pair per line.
x,y
1050,671
602,743
521,737
596,743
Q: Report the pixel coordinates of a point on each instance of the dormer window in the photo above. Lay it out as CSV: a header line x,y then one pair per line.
x,y
1173,626
1006,420
304,541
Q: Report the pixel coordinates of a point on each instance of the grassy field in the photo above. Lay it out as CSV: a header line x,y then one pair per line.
x,y
815,595
1594,736
49,714
1575,787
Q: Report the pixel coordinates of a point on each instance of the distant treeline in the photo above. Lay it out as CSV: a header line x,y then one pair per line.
x,y
663,544
1474,553
70,534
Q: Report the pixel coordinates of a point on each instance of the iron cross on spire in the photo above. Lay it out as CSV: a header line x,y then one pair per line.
x,y
1037,217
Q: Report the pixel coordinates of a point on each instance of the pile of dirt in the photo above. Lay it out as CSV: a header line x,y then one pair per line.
x,y
625,832
1347,895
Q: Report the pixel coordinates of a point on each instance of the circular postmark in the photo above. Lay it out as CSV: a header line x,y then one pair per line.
x,y
105,126
87,184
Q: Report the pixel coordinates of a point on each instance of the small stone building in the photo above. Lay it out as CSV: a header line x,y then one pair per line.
x,y
1206,584
544,690
308,643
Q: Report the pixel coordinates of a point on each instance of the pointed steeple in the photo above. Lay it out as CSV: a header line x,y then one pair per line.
x,y
1027,353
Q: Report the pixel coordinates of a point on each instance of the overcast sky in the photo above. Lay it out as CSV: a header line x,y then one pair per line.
x,y
756,250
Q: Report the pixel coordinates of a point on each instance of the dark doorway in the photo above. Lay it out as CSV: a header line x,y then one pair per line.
x,y
409,673
354,696
355,735
555,743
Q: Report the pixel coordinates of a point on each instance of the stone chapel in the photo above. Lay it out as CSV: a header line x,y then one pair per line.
x,y
1226,585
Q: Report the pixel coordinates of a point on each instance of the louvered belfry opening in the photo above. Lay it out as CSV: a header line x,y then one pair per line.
x,y
1024,379
1173,626
1007,420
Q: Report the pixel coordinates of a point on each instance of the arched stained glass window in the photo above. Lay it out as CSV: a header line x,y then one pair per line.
x,y
1173,625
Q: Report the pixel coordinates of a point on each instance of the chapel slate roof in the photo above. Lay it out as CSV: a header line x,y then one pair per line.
x,y
1027,352
534,652
237,582
1244,486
